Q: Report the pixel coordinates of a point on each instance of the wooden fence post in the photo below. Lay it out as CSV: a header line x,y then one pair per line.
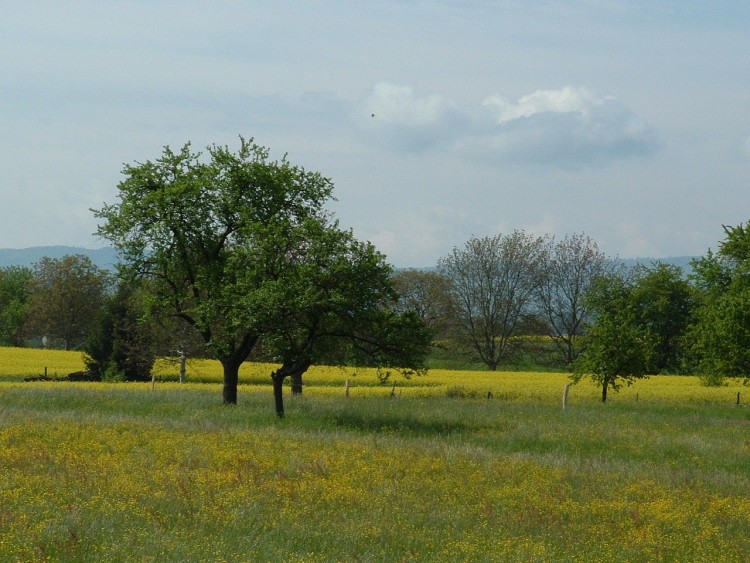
x,y
183,367
565,395
346,389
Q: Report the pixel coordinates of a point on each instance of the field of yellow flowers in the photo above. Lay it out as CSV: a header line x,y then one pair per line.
x,y
428,470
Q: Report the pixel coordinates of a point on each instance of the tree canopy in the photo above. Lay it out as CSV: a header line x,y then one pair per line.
x,y
65,297
491,283
664,303
200,230
333,304
120,345
568,272
14,294
719,337
617,350
241,248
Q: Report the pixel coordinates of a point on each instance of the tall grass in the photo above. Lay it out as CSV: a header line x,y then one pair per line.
x,y
121,472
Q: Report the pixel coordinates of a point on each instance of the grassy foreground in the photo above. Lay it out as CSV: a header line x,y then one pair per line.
x,y
124,472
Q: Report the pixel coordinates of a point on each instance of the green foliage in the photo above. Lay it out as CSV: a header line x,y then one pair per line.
x,y
14,295
210,234
65,297
618,347
241,249
664,303
120,346
331,304
719,338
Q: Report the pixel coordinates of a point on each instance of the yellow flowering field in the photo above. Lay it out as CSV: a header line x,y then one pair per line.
x,y
17,363
428,470
97,472
546,387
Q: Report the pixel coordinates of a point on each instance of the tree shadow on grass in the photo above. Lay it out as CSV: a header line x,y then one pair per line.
x,y
401,424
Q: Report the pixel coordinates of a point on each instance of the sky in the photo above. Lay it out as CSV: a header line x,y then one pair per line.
x,y
437,121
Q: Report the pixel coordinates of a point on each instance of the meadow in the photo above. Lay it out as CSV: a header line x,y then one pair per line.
x,y
428,470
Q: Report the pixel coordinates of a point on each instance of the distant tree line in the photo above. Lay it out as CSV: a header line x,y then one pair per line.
x,y
497,301
562,304
233,256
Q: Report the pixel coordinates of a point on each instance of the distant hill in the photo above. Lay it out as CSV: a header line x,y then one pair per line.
x,y
103,257
106,257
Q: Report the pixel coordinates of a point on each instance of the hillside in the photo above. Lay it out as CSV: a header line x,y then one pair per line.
x,y
106,257
103,257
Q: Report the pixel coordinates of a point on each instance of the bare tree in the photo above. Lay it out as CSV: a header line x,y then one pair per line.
x,y
491,282
570,267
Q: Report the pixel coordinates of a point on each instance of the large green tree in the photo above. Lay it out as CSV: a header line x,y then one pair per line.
x,y
198,227
65,297
331,303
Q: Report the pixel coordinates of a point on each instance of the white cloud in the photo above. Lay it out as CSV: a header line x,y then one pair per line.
x,y
570,127
396,117
565,100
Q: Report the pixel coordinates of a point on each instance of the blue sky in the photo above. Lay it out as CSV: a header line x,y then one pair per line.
x,y
436,120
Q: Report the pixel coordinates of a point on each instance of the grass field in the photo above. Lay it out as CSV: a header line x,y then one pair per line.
x,y
131,472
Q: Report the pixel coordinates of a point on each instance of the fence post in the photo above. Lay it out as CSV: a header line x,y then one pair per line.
x,y
738,397
183,367
346,389
565,395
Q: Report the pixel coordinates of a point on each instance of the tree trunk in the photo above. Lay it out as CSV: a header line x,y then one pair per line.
x,y
278,391
288,369
296,384
231,364
231,378
604,391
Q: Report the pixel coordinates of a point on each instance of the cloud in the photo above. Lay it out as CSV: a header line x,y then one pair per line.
x,y
565,100
396,117
569,128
